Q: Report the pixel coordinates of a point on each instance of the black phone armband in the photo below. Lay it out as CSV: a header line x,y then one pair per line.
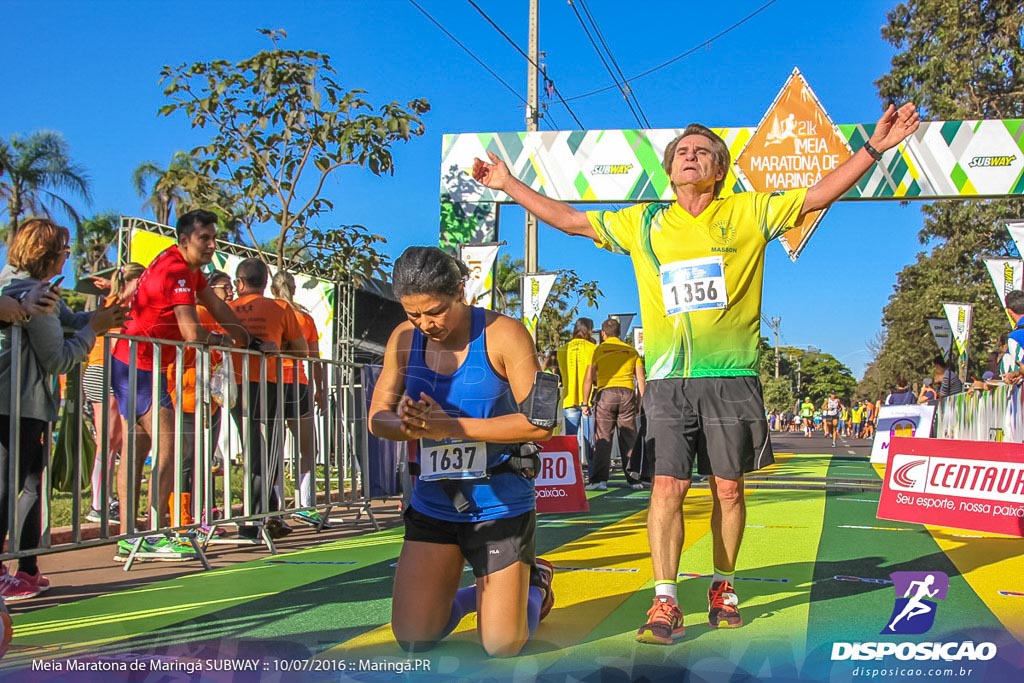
x,y
541,406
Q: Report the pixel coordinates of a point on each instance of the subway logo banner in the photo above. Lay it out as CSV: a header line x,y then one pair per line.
x,y
943,159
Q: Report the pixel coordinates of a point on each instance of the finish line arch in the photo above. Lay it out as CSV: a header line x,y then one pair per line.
x,y
980,159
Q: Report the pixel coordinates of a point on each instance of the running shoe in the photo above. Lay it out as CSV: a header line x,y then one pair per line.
x,y
276,527
114,515
597,486
545,574
664,623
36,580
162,549
93,515
13,588
311,517
722,611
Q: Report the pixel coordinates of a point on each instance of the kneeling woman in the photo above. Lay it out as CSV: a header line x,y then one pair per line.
x,y
452,378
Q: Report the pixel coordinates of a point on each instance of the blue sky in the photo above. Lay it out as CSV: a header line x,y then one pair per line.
x,y
91,71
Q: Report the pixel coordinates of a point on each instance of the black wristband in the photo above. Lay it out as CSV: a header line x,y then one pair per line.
x,y
255,344
872,152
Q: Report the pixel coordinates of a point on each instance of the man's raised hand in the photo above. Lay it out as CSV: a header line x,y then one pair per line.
x,y
492,175
895,126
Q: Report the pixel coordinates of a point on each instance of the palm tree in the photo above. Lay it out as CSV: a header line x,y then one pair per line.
x,y
95,238
508,278
170,186
35,172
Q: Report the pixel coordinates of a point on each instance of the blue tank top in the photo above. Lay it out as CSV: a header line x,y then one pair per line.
x,y
473,390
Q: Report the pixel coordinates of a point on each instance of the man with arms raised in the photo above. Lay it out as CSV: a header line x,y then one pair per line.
x,y
699,264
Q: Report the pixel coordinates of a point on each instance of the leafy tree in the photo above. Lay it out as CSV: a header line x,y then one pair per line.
x,y
821,373
955,61
561,308
805,372
37,175
282,125
180,188
778,393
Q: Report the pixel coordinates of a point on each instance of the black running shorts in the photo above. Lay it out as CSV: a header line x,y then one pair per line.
x,y
297,408
488,546
717,421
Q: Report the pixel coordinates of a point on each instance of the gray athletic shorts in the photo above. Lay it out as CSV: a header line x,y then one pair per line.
x,y
717,421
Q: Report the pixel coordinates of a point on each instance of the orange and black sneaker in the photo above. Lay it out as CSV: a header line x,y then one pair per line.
x,y
722,611
545,573
664,623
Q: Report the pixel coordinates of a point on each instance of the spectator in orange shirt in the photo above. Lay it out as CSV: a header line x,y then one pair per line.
x,y
870,414
275,327
298,407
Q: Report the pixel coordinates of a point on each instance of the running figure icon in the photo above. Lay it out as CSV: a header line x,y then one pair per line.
x,y
915,607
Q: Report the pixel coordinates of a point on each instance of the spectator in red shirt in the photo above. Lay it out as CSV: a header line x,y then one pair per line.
x,y
275,327
164,307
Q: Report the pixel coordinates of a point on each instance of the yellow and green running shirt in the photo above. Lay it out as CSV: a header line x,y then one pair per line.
x,y
699,278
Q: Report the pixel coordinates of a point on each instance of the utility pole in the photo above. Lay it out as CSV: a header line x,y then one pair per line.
x,y
776,324
532,118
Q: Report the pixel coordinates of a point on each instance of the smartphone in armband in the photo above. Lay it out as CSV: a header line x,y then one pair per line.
x,y
541,406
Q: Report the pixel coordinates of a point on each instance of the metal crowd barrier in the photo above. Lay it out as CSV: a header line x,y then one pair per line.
x,y
338,430
993,415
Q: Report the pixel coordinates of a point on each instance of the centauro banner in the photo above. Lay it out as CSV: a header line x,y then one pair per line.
x,y
314,295
959,316
479,258
1007,275
536,288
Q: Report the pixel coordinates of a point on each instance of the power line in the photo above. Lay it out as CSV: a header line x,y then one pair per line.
x,y
472,54
467,50
627,91
600,55
689,52
549,84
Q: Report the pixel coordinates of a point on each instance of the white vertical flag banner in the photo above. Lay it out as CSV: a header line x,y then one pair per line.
x,y
536,288
1016,229
959,316
942,332
479,258
1007,274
